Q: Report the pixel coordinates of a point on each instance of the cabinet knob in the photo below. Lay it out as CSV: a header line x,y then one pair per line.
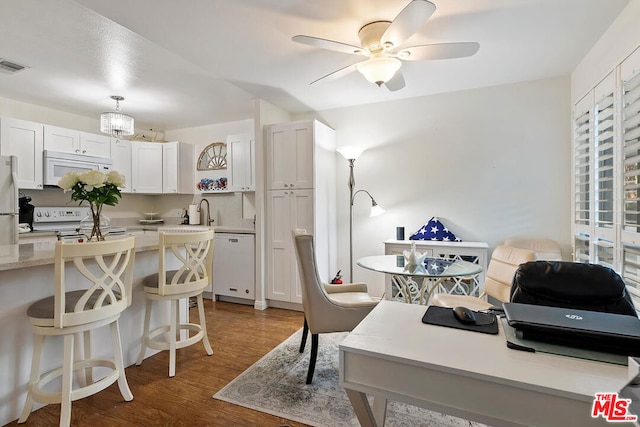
x,y
290,185
77,150
286,185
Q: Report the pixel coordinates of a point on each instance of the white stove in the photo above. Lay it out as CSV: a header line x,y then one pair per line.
x,y
65,220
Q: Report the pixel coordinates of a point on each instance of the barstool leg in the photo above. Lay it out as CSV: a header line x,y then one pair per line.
x,y
67,381
145,333
172,337
38,341
88,372
117,354
203,326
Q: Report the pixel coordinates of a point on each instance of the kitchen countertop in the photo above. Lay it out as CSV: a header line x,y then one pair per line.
x,y
37,248
41,252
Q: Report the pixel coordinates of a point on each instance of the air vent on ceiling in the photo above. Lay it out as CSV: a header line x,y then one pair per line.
x,y
10,67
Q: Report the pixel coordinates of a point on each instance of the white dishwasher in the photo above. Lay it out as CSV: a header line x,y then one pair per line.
x,y
234,266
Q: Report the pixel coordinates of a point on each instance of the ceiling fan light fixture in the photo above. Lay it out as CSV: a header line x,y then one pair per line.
x,y
115,123
379,70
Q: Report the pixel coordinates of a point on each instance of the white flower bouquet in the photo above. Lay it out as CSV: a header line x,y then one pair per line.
x,y
97,188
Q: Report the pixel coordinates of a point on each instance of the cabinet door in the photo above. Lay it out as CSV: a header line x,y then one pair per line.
x,y
279,255
301,216
290,156
242,152
121,158
170,167
93,144
24,140
146,167
301,155
61,139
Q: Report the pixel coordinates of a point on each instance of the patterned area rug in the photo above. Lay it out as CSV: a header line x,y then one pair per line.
x,y
276,385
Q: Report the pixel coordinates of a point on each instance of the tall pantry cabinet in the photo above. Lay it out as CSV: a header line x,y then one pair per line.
x,y
300,175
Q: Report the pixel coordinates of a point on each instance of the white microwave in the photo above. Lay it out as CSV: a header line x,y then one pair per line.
x,y
57,164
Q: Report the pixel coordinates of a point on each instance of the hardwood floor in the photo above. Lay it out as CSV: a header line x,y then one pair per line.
x,y
239,335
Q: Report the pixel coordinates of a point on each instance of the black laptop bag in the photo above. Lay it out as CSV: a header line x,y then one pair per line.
x,y
572,285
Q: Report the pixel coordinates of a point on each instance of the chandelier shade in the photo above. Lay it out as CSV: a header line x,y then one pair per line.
x,y
379,69
115,123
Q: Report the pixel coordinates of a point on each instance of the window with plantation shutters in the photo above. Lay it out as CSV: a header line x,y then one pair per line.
x,y
631,272
582,167
581,245
604,253
604,161
631,152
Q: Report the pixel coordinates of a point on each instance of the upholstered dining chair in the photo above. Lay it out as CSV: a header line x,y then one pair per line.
x,y
327,308
502,267
193,251
102,274
576,285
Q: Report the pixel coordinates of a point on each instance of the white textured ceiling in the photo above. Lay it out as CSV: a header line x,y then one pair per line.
x,y
188,63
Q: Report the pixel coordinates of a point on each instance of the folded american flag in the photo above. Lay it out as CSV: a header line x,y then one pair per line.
x,y
434,230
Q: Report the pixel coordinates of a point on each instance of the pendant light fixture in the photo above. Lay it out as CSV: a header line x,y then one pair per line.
x,y
116,123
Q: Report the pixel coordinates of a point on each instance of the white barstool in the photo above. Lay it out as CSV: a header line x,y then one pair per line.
x,y
105,275
194,251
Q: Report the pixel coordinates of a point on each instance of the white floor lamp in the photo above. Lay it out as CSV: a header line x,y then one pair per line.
x,y
351,154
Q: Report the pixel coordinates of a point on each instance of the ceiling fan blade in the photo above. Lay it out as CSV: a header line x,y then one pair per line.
x,y
339,73
408,21
327,44
396,82
439,51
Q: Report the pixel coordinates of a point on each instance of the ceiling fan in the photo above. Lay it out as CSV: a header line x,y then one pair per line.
x,y
381,42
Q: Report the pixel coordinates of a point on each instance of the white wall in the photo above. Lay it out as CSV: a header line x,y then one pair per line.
x,y
618,42
491,163
227,208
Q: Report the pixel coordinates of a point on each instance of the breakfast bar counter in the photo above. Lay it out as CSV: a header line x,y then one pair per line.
x,y
27,275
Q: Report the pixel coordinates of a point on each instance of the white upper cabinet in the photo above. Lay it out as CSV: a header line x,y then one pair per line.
x,y
162,167
24,140
242,167
93,144
146,167
74,141
121,158
178,167
290,162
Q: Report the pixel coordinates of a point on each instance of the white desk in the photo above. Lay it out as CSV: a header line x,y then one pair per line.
x,y
391,354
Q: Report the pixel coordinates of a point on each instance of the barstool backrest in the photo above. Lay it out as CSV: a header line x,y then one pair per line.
x,y
194,251
103,276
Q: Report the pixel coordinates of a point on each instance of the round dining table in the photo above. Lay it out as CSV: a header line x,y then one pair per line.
x,y
431,272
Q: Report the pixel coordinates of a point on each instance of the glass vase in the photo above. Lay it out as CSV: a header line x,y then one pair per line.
x,y
95,228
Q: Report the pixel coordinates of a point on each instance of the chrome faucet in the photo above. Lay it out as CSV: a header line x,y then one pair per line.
x,y
209,221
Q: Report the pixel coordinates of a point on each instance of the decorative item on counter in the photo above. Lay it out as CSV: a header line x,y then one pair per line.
x,y
151,219
415,260
338,279
399,233
98,189
185,217
434,230
208,184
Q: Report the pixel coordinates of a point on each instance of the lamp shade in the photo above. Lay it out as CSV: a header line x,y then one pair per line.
x,y
376,209
350,152
116,123
379,69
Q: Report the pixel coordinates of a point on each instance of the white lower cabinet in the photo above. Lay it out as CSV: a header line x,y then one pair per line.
x,y
234,265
